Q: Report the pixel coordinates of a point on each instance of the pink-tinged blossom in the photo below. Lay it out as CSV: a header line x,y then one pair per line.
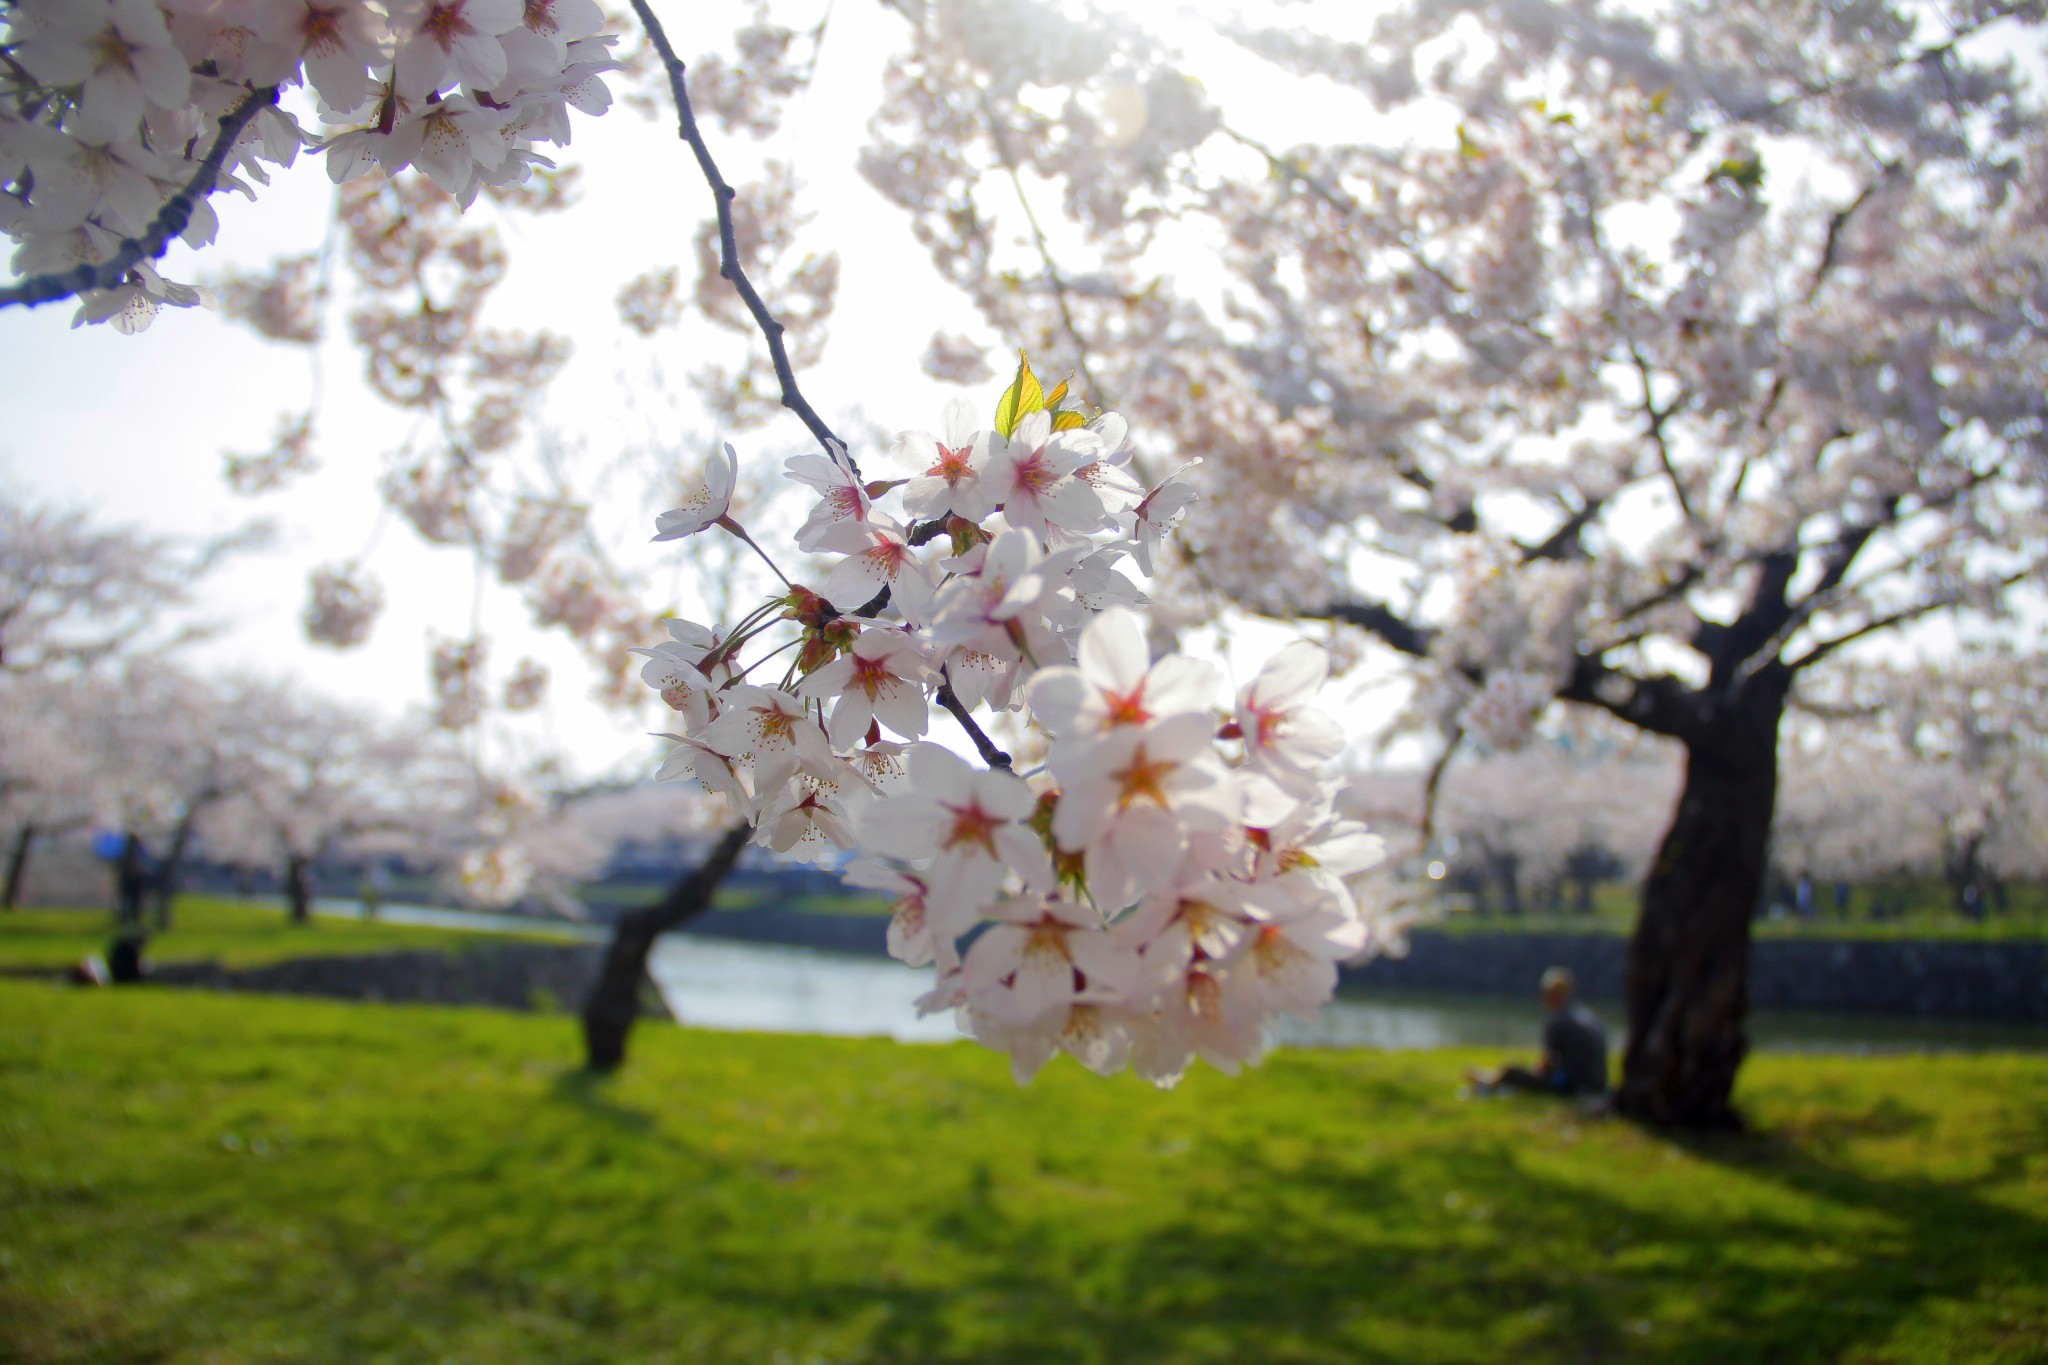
x,y
1125,797
970,821
1158,513
999,605
1307,853
705,500
442,42
1097,1033
1032,477
883,764
841,499
340,40
808,816
913,938
1114,487
877,556
1116,684
112,181
1284,735
562,22
453,141
770,730
880,677
1190,1020
674,668
981,679
1099,585
946,472
698,762
1041,955
1290,966
118,52
245,40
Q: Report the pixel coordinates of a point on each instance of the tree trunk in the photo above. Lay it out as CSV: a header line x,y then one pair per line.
x,y
1688,963
614,1000
1507,869
131,878
173,867
17,866
298,888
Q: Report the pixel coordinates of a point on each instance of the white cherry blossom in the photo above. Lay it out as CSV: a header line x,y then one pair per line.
x,y
881,676
1116,684
1284,735
842,501
972,822
1033,477
705,500
947,471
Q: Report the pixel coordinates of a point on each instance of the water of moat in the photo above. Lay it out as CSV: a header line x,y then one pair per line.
x,y
723,984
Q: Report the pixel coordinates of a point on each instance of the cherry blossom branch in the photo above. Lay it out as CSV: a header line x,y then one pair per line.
x,y
728,241
1000,136
170,220
983,745
1657,418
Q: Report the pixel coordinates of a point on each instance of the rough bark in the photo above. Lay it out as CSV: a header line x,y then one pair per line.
x,y
298,888
614,1000
17,867
174,867
1688,963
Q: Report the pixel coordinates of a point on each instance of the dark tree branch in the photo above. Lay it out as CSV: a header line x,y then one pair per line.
x,y
1831,247
170,220
1900,617
1657,417
1662,704
728,242
1381,621
1564,541
983,745
1433,785
614,1000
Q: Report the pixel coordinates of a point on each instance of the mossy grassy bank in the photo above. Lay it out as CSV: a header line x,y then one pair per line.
x,y
236,933
188,1178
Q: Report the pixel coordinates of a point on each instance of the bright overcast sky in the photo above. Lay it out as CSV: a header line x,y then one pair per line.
x,y
134,428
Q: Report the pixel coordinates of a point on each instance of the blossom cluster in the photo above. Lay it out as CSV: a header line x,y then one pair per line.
x,y
111,105
1164,883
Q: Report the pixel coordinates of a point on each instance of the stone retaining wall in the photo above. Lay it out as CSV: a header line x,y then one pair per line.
x,y
1932,978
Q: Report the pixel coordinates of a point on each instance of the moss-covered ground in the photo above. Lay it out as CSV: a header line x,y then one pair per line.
x,y
196,1178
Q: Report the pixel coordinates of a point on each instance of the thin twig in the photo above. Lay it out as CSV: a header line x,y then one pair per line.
x,y
999,135
170,220
728,241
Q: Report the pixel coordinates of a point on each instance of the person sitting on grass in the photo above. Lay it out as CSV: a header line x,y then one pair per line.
x,y
1574,1058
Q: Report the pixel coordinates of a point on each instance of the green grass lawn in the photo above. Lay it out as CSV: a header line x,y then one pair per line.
x,y
196,1178
238,933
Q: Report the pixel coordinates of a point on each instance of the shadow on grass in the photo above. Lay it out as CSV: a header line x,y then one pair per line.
x,y
589,1091
1334,1259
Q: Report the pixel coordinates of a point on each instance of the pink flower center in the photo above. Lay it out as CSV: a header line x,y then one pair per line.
x,y
870,675
973,825
952,465
1126,708
444,24
1143,779
1035,474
